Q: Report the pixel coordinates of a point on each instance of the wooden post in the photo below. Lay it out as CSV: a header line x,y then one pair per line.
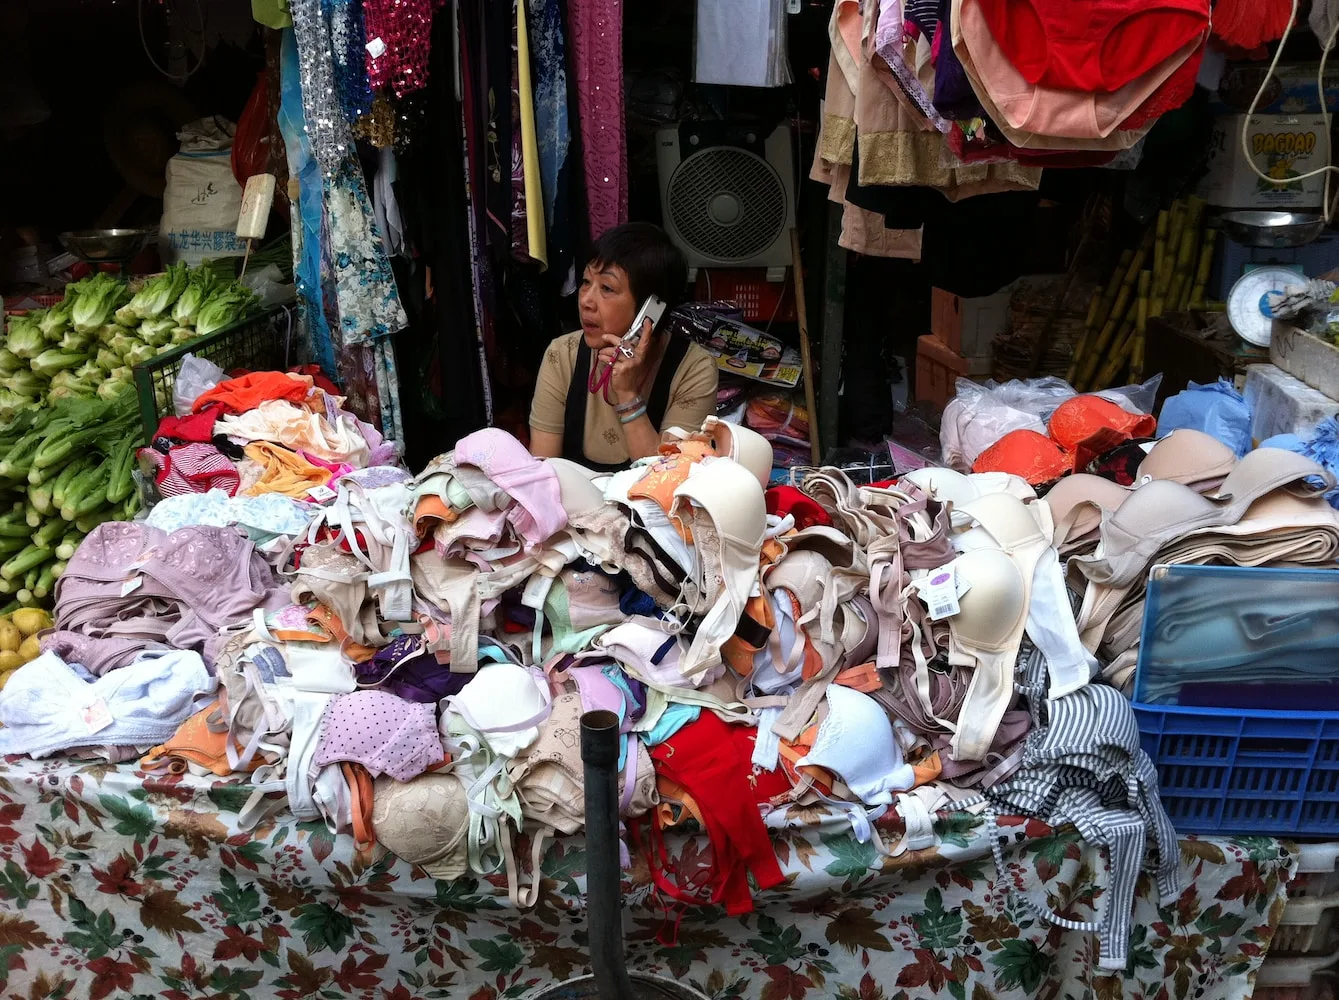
x,y
806,358
834,319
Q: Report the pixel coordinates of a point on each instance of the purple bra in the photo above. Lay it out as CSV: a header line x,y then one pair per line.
x,y
405,668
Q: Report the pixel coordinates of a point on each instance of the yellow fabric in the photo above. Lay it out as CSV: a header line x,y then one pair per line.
x,y
283,471
534,195
692,399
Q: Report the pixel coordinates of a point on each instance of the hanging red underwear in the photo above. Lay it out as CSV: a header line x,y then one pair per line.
x,y
1096,45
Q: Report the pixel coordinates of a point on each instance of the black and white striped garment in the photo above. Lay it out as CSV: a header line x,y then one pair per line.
x,y
1083,764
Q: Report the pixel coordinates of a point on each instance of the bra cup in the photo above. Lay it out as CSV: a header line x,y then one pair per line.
x,y
945,485
1188,456
856,743
987,483
994,609
1007,519
1265,465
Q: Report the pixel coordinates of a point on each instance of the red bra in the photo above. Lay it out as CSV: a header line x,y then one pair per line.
x,y
1094,45
712,766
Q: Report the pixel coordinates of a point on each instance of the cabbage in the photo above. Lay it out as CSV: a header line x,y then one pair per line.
x,y
9,362
57,318
97,302
159,293
157,331
74,342
25,337
11,404
183,335
224,307
139,354
49,362
199,288
25,383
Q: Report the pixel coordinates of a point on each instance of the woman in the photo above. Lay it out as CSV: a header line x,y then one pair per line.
x,y
666,382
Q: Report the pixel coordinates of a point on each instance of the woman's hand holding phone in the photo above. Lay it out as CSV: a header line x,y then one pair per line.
x,y
629,371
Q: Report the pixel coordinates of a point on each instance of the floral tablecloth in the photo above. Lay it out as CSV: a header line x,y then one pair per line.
x,y
112,885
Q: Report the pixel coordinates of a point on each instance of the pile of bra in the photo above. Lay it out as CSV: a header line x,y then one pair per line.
x,y
413,669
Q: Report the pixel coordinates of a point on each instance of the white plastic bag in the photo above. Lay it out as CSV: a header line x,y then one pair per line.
x,y
983,412
195,377
202,199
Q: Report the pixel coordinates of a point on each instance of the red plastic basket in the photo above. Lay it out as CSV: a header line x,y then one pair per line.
x,y
761,300
14,304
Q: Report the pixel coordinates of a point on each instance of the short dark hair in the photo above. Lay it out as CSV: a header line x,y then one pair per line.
x,y
654,265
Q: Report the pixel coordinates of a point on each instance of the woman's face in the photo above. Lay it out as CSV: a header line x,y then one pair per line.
x,y
606,302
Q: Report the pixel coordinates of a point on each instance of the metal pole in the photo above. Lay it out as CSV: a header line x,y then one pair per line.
x,y
599,757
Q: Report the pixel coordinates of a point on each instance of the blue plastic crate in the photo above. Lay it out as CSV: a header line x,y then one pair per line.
x,y
1240,772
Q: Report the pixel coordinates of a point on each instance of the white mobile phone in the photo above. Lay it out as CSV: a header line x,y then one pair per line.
x,y
653,308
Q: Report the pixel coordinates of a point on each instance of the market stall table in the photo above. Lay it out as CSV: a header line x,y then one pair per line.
x,y
115,884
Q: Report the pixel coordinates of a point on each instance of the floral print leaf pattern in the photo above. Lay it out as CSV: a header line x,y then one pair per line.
x,y
938,929
134,890
1021,963
851,859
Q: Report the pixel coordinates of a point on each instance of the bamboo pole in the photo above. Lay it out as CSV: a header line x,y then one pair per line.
x,y
1094,304
806,359
1140,328
1202,271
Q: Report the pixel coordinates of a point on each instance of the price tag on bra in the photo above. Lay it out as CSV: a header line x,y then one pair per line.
x,y
131,585
940,592
96,717
322,494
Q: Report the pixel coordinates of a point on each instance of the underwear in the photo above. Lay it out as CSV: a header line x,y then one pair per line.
x,y
386,734
707,764
425,822
1027,454
1087,426
1099,45
194,742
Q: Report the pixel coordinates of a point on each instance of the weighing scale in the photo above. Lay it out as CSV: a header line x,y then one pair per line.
x,y
107,246
1248,304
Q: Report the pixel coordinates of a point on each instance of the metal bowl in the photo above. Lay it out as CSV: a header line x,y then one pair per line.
x,y
1272,230
104,245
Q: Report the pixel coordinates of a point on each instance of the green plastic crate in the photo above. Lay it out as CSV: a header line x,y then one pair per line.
x,y
258,343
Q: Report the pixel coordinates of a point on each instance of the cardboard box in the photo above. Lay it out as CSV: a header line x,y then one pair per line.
x,y
968,326
1283,404
938,370
1290,91
1314,361
1281,146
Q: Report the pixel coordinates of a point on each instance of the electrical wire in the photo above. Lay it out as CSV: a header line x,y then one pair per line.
x,y
1325,112
144,42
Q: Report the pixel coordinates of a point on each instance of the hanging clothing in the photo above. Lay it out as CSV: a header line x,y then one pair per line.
x,y
596,36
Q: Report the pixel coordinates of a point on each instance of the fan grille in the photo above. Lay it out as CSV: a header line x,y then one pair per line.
x,y
726,203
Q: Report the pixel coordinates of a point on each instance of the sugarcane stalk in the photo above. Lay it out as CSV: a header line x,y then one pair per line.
x,y
1089,324
1104,340
1113,286
1202,271
1140,328
1119,356
1160,242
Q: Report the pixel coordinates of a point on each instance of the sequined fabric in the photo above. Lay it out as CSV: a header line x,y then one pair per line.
x,y
596,36
398,32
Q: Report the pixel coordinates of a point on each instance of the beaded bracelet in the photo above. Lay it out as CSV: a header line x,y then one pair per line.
x,y
630,417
